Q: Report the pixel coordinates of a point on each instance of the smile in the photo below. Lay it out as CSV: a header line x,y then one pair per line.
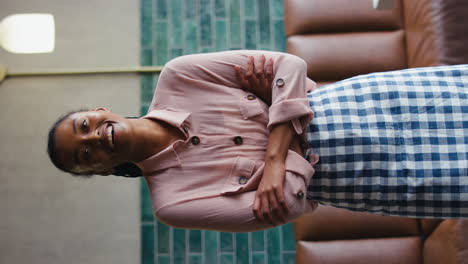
x,y
110,136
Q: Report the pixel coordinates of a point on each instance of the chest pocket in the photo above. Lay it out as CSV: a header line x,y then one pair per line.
x,y
250,106
241,177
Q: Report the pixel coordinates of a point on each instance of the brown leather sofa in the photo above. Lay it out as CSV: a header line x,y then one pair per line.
x,y
344,38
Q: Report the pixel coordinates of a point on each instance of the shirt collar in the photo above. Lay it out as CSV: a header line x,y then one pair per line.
x,y
171,116
167,157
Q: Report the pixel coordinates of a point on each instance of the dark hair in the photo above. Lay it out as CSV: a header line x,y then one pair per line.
x,y
127,169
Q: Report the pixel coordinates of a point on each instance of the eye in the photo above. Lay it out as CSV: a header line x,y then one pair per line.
x,y
86,154
84,125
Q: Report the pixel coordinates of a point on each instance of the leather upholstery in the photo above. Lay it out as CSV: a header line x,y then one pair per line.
x,y
333,57
325,16
330,223
361,251
343,38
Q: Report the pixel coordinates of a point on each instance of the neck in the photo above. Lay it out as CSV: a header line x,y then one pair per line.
x,y
151,137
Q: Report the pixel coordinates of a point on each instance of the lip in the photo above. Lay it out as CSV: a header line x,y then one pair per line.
x,y
104,140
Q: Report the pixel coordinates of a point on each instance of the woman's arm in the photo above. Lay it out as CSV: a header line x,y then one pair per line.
x,y
270,205
233,213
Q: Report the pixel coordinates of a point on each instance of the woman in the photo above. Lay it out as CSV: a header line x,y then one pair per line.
x,y
222,151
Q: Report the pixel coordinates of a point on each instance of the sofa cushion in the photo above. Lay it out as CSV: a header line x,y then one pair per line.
x,y
333,57
306,16
369,251
435,32
330,223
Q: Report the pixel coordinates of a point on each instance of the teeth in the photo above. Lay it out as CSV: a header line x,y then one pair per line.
x,y
109,136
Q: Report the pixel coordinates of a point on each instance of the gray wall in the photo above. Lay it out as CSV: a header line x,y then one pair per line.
x,y
47,216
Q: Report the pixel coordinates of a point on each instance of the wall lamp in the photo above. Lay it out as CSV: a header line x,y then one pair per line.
x,y
35,33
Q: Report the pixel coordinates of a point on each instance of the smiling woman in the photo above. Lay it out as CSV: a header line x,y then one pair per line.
x,y
100,142
222,145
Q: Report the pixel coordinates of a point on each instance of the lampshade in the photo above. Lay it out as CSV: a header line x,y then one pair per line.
x,y
28,33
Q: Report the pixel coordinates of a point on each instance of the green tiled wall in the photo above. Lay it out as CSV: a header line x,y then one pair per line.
x,y
170,28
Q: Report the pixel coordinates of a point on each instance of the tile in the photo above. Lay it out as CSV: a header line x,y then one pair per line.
x,y
146,8
249,8
161,9
178,249
280,38
164,260
195,241
220,8
226,242
206,50
161,43
146,32
258,258
191,44
220,36
146,93
146,57
289,258
195,259
235,23
273,247
176,52
145,205
250,34
277,6
264,21
242,248
258,242
147,244
211,246
226,259
172,28
144,108
289,242
190,9
176,24
205,22
163,232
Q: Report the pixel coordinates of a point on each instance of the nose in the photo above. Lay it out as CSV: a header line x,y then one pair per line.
x,y
93,138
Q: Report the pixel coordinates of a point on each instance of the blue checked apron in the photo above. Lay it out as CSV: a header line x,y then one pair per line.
x,y
393,143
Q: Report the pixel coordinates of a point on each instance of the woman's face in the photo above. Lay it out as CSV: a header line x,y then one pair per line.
x,y
93,142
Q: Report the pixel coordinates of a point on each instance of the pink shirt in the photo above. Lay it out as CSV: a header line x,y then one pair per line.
x,y
209,180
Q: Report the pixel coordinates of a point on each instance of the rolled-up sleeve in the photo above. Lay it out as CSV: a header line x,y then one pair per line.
x,y
288,89
231,213
289,93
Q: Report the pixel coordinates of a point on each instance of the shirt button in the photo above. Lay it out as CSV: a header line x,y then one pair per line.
x,y
300,195
243,180
280,82
251,97
238,140
195,140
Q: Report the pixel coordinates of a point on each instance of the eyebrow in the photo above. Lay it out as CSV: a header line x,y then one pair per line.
x,y
74,124
77,160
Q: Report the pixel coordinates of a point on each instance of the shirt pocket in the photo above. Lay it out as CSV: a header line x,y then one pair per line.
x,y
250,106
240,177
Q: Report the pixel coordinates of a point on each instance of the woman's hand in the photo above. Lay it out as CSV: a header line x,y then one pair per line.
x,y
257,77
270,204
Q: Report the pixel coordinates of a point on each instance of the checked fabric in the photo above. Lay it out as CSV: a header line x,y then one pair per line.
x,y
393,143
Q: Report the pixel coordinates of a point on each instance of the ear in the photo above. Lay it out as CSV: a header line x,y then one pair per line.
x,y
101,109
